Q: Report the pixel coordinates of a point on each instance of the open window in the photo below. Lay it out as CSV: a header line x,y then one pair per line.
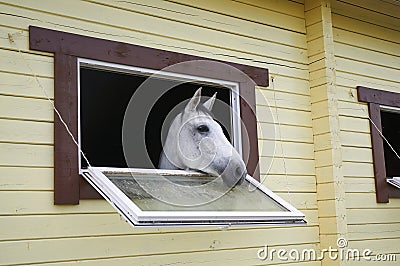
x,y
125,112
174,197
116,99
384,112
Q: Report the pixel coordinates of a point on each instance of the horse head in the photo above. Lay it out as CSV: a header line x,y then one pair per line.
x,y
196,141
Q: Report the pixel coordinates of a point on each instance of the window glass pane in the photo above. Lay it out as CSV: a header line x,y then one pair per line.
x,y
188,193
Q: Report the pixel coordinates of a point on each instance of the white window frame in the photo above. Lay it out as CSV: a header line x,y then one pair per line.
x,y
135,216
395,181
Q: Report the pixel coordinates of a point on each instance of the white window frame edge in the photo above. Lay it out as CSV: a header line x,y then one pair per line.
x,y
232,86
396,110
137,217
390,109
395,181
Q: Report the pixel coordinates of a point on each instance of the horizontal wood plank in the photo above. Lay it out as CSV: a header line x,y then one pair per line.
x,y
368,201
321,125
378,246
12,154
26,86
26,178
26,131
346,36
210,258
366,69
158,26
25,63
220,257
344,22
219,21
353,169
285,100
356,154
371,231
276,148
359,184
370,216
289,84
282,183
301,201
25,108
41,202
159,40
367,55
283,116
281,166
355,139
388,8
354,124
247,12
366,12
130,245
285,132
353,109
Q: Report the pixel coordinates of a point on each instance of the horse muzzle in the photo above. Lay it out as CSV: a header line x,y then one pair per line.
x,y
232,171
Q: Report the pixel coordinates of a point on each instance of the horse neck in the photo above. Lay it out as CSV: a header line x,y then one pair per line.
x,y
170,147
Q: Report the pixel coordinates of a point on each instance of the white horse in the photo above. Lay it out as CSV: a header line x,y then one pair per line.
x,y
196,141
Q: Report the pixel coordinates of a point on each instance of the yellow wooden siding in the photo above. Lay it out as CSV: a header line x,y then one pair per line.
x,y
259,33
367,45
324,114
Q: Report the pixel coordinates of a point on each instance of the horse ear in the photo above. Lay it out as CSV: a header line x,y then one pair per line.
x,y
210,102
192,105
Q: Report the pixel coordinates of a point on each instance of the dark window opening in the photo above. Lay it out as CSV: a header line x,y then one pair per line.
x,y
104,99
391,131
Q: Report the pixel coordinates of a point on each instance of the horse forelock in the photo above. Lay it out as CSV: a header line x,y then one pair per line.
x,y
204,110
201,110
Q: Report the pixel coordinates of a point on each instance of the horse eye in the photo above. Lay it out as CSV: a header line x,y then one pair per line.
x,y
203,128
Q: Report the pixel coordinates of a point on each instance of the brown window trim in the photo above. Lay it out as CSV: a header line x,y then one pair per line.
x,y
69,186
375,98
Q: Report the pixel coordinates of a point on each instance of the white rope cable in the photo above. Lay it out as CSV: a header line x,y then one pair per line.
x,y
281,141
383,137
11,40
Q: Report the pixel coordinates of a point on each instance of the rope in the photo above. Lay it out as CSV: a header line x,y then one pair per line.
x,y
11,40
383,137
281,141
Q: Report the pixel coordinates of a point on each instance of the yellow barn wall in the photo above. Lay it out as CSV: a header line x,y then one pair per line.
x,y
269,34
367,52
317,53
351,43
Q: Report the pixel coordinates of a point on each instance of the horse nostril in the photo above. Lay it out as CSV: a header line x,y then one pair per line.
x,y
238,172
240,175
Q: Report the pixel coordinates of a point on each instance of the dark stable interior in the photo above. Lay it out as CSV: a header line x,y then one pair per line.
x,y
105,100
391,131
